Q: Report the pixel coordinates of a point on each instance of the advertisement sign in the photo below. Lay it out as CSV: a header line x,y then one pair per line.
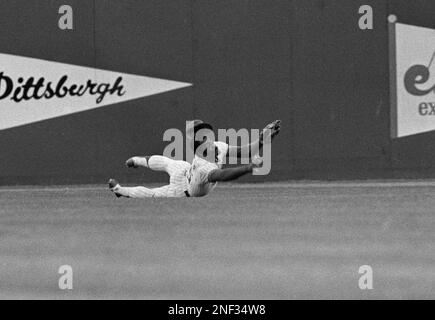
x,y
33,90
412,67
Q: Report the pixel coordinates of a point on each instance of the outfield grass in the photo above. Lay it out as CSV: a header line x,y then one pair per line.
x,y
272,241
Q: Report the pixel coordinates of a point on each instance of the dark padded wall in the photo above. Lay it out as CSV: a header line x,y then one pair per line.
x,y
340,83
242,66
61,149
251,61
151,38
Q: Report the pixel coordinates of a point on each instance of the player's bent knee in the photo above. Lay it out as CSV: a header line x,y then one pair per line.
x,y
158,162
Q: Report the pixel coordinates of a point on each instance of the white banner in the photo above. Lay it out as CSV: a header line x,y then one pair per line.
x,y
413,76
32,90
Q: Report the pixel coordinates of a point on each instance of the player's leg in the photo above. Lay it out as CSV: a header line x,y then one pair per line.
x,y
156,163
178,179
168,191
133,192
177,183
136,162
143,192
173,190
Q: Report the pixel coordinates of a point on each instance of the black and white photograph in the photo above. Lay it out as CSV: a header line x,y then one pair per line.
x,y
217,150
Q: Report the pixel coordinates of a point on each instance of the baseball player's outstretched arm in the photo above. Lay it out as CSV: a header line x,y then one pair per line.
x,y
230,173
254,148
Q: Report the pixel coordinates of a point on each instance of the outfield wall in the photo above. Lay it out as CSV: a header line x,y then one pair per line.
x,y
305,62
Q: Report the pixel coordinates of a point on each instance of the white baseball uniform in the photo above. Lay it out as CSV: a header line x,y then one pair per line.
x,y
197,175
179,172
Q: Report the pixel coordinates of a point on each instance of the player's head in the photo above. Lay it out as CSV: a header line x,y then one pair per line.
x,y
199,132
208,151
190,127
202,132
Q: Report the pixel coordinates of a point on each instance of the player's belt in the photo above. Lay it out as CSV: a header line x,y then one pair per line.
x,y
187,193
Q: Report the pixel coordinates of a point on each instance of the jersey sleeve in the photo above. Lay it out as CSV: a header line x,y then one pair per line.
x,y
204,172
223,150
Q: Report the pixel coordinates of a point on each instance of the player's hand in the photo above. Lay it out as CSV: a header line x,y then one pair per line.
x,y
271,130
256,161
256,164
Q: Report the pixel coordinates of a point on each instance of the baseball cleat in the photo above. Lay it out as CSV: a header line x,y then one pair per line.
x,y
112,185
130,163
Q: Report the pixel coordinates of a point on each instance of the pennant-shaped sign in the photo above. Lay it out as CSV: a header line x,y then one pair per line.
x,y
33,90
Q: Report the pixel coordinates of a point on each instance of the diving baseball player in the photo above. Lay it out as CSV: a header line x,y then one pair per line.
x,y
200,177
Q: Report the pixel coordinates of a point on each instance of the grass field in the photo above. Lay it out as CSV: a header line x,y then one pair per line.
x,y
246,241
